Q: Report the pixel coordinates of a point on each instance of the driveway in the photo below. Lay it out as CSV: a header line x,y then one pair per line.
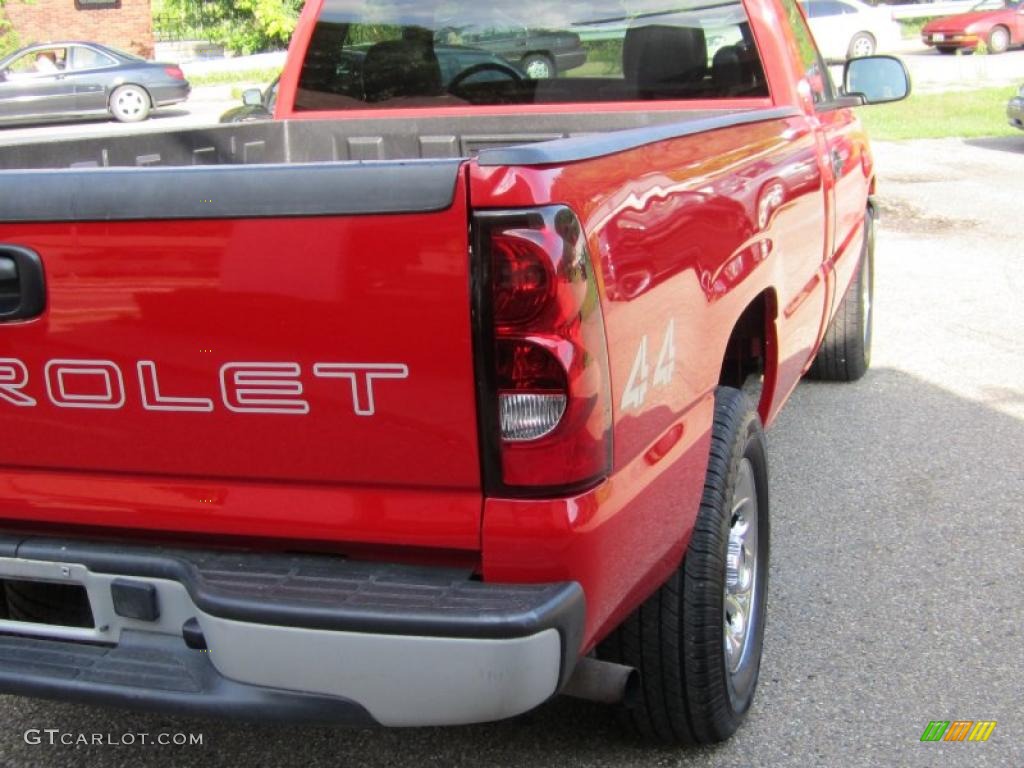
x,y
898,541
204,107
932,71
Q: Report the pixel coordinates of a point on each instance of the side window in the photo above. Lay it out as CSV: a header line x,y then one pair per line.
x,y
87,58
40,61
22,65
827,8
813,65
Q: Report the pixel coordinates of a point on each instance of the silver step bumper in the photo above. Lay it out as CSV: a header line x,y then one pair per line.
x,y
289,637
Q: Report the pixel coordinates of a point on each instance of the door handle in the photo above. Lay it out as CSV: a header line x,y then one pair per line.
x,y
22,284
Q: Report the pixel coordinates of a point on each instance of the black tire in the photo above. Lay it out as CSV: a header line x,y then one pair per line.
x,y
47,603
998,40
862,44
676,638
130,103
543,66
845,354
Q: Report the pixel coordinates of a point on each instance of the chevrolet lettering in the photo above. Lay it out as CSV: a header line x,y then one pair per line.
x,y
243,387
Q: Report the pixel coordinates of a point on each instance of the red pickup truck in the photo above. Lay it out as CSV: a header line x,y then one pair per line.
x,y
425,402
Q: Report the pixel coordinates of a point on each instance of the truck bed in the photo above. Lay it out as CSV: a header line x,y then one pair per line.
x,y
319,141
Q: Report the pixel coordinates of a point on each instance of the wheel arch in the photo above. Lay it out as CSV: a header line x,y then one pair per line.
x,y
1010,40
539,52
753,349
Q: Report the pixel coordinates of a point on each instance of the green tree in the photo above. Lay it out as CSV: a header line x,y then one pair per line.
x,y
241,26
8,37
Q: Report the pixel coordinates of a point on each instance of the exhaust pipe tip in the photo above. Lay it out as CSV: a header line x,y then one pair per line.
x,y
603,681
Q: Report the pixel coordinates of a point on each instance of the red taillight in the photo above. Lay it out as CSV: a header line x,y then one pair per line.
x,y
526,366
520,282
546,398
175,72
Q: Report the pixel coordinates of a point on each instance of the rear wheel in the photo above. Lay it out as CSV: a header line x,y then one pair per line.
x,y
998,40
862,44
845,354
539,67
130,103
697,641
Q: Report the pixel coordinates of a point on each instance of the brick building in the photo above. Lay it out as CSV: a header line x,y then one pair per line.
x,y
124,24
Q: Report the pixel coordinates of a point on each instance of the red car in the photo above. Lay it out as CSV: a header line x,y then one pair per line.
x,y
998,27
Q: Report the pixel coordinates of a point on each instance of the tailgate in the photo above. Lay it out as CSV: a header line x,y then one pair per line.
x,y
278,350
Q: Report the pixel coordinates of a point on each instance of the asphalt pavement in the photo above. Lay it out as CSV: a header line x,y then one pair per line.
x,y
933,72
897,541
204,108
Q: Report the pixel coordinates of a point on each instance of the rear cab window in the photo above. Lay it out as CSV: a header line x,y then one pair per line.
x,y
369,54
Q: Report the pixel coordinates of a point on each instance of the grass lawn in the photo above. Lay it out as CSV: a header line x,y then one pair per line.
x,y
963,114
263,76
911,28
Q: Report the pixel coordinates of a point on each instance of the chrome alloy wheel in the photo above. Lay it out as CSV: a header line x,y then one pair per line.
x,y
539,68
866,283
129,103
863,46
999,40
742,594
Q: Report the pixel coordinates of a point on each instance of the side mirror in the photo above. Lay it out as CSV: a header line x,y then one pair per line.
x,y
252,97
876,79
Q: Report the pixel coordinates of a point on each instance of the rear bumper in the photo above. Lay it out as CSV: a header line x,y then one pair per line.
x,y
950,40
566,60
290,637
164,95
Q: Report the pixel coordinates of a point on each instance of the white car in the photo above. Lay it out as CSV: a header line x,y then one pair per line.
x,y
846,29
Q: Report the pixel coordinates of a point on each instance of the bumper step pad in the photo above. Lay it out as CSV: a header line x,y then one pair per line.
x,y
156,672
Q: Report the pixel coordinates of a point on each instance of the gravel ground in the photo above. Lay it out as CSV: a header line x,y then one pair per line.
x,y
897,538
